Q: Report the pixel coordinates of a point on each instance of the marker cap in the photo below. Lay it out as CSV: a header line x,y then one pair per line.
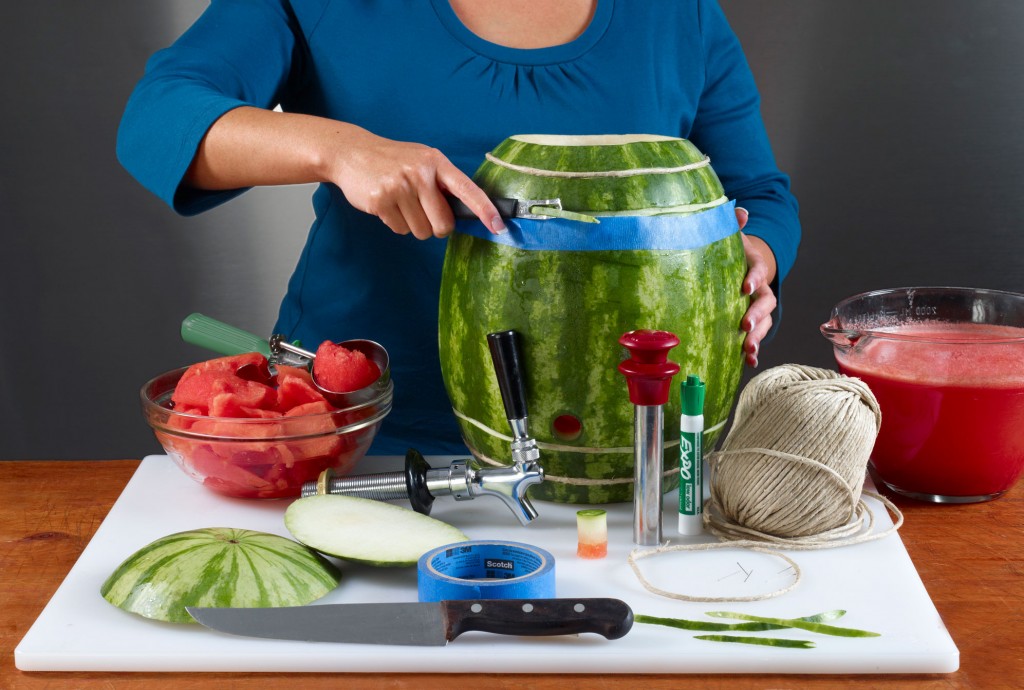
x,y
692,395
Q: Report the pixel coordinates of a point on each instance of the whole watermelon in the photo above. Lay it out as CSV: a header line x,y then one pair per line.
x,y
571,307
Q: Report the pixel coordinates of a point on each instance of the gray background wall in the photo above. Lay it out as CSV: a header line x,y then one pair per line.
x,y
898,120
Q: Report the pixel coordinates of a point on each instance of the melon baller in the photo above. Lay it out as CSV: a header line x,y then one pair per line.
x,y
225,339
464,479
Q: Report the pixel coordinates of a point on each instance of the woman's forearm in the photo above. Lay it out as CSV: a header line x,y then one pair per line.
x,y
251,146
403,183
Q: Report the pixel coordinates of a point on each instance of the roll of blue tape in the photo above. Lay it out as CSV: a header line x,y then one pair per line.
x,y
486,570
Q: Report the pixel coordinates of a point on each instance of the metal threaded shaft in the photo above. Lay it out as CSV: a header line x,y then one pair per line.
x,y
382,486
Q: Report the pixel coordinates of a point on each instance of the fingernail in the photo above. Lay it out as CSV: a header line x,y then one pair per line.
x,y
498,226
750,326
740,208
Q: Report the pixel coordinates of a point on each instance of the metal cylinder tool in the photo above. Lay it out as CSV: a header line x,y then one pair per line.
x,y
464,479
648,375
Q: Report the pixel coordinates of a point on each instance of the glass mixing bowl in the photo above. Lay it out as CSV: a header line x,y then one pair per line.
x,y
261,458
947,367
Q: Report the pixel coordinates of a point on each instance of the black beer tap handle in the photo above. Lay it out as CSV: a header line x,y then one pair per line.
x,y
508,365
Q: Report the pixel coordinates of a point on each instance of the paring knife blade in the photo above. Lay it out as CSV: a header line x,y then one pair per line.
x,y
425,623
507,208
535,209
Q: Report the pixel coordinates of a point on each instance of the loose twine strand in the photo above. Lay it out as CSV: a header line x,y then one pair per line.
x,y
790,474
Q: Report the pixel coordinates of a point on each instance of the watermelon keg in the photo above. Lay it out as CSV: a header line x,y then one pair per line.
x,y
666,255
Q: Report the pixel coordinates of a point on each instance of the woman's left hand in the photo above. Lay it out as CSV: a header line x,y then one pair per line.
x,y
760,273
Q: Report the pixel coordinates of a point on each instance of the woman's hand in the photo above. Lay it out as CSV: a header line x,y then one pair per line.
x,y
404,184
761,272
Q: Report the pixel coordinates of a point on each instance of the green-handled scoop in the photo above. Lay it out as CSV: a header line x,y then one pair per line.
x,y
226,339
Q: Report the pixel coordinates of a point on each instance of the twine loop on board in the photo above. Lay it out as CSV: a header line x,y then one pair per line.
x,y
790,474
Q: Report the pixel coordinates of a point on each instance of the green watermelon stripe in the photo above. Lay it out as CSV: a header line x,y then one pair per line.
x,y
297,561
141,569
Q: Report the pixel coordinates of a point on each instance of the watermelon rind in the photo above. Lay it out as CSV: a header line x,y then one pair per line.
x,y
640,194
571,307
367,531
218,567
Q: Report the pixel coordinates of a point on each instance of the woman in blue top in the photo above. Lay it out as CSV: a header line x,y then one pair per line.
x,y
390,104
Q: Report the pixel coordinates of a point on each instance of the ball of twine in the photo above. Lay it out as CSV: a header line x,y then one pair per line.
x,y
791,472
792,467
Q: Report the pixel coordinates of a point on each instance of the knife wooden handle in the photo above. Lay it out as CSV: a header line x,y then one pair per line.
x,y
610,618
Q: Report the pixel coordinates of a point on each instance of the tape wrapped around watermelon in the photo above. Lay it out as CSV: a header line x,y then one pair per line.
x,y
666,255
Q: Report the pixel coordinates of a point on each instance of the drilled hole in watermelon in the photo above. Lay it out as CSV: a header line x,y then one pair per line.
x,y
567,427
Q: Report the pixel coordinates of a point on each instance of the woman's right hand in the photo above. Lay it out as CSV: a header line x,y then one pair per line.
x,y
404,184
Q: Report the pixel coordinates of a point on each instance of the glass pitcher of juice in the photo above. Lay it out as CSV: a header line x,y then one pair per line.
x,y
947,367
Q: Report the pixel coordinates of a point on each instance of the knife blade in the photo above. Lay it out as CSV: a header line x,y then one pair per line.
x,y
536,209
424,623
507,208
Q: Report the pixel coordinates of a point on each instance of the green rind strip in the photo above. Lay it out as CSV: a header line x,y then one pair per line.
x,y
708,626
553,212
763,641
820,628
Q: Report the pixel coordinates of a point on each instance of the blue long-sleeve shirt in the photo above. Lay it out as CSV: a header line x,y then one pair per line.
x,y
410,70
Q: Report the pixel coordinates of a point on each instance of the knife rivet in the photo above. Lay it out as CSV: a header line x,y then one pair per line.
x,y
527,608
476,608
579,608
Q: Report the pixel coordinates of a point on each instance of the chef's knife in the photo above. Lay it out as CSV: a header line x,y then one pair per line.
x,y
536,209
425,623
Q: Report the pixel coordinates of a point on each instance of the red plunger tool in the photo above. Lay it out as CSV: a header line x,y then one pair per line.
x,y
648,374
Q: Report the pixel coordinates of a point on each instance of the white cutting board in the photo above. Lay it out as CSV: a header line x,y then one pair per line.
x,y
875,582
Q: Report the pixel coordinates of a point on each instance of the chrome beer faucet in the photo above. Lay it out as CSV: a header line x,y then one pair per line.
x,y
463,479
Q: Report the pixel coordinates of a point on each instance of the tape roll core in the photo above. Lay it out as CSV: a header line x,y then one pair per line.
x,y
486,570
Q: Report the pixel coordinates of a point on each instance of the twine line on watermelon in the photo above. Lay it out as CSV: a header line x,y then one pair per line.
x,y
541,172
667,210
791,472
575,481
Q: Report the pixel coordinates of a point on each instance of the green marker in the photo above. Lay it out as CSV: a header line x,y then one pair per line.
x,y
691,457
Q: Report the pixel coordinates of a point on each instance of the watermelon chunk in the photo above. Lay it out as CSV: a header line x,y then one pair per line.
x,y
233,405
229,365
342,370
295,391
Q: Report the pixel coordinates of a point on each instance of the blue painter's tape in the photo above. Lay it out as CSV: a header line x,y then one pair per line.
x,y
486,570
621,233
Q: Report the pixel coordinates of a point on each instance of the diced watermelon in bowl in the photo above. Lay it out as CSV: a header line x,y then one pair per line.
x,y
242,431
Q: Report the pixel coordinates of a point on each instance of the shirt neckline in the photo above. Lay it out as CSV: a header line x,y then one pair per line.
x,y
527,56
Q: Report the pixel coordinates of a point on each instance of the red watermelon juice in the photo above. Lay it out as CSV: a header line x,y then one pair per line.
x,y
952,401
